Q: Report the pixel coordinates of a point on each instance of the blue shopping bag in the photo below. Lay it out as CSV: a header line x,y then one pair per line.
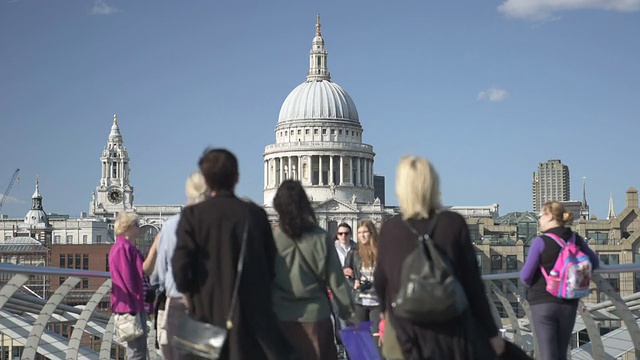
x,y
359,343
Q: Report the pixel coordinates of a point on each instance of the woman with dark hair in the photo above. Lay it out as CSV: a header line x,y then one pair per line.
x,y
306,265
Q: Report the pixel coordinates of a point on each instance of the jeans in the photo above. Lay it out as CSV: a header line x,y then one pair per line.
x,y
552,325
137,348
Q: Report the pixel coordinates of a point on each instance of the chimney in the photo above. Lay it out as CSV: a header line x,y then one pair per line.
x,y
632,197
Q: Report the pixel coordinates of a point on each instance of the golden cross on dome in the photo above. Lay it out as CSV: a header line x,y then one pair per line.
x,y
318,33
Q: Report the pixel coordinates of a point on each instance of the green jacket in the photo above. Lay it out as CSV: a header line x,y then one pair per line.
x,y
295,292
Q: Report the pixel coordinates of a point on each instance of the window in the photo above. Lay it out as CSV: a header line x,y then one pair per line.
x,y
106,261
324,131
99,239
69,239
85,261
315,131
512,262
63,259
609,259
339,132
333,131
306,132
84,239
78,264
56,239
496,262
299,132
70,261
85,283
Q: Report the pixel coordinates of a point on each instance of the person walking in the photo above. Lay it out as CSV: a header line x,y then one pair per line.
x,y
418,191
361,262
205,260
175,308
127,289
553,318
305,266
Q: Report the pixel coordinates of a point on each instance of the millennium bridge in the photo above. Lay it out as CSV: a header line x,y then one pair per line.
x,y
37,327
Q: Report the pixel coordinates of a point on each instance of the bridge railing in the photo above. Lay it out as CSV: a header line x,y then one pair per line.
x,y
88,319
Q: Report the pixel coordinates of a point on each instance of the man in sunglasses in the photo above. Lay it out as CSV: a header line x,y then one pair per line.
x,y
344,243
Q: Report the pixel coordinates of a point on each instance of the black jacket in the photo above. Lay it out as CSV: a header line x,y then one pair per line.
x,y
204,267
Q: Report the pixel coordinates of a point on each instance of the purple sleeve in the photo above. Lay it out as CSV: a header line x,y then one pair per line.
x,y
532,264
593,257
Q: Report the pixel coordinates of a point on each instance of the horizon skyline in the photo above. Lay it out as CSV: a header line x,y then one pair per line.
x,y
484,90
501,213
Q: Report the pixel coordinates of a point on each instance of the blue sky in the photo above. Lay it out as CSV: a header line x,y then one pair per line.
x,y
486,90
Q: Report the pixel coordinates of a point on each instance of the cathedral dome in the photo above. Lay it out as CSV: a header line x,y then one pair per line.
x,y
321,100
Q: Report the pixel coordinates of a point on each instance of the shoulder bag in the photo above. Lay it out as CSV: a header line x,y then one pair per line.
x,y
128,326
204,339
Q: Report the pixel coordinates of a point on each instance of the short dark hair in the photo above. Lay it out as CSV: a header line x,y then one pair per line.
x,y
294,209
220,169
344,224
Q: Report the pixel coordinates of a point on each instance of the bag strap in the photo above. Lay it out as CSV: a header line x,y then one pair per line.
x,y
319,280
432,225
560,240
236,285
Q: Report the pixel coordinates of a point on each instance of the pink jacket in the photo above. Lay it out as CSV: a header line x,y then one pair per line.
x,y
125,266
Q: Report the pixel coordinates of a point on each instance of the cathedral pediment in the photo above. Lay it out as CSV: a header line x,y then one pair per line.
x,y
335,206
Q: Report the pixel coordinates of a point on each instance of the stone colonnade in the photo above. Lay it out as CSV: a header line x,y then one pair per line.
x,y
319,170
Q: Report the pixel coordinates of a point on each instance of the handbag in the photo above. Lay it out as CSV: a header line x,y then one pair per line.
x,y
323,286
128,326
204,339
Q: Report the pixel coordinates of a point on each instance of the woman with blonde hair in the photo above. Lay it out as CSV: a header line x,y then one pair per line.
x,y
553,318
127,292
361,262
175,309
418,191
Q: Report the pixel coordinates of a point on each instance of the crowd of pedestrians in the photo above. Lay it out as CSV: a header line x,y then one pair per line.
x,y
284,293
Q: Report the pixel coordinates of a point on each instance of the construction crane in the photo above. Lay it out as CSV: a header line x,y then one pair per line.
x,y
6,192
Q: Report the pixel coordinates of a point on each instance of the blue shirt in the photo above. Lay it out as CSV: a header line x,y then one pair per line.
x,y
166,247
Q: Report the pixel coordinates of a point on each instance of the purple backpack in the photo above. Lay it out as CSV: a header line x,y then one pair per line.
x,y
570,276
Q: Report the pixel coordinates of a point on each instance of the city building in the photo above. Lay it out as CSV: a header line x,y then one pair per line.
x,y
550,183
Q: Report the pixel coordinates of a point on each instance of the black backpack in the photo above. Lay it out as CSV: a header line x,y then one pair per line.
x,y
429,291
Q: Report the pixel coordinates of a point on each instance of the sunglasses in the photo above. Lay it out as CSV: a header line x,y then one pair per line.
x,y
343,233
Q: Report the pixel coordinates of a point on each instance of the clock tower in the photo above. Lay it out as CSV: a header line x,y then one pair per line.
x,y
114,194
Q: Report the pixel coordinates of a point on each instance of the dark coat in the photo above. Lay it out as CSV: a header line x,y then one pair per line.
x,y
205,267
451,339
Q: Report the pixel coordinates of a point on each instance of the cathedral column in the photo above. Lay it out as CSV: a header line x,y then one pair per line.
x,y
351,170
358,176
320,181
300,168
289,172
366,172
266,174
341,170
280,159
371,171
330,169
